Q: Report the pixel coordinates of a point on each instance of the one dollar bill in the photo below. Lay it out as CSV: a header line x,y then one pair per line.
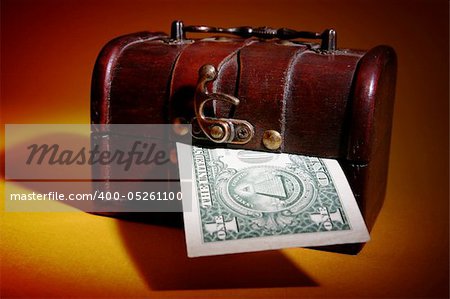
x,y
250,201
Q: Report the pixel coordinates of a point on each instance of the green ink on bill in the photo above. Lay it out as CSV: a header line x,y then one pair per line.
x,y
249,201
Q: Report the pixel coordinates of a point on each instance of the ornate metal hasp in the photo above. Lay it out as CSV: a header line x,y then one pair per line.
x,y
218,130
328,37
228,130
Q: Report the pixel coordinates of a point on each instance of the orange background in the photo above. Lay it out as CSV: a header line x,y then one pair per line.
x,y
48,49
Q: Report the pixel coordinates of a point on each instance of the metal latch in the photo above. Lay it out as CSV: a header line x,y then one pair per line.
x,y
218,130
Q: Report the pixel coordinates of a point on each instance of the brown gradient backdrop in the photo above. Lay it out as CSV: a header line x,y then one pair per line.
x,y
48,49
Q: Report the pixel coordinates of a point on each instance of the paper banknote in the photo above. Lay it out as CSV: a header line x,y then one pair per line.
x,y
249,201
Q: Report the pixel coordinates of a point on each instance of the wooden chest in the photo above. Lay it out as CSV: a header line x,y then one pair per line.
x,y
269,90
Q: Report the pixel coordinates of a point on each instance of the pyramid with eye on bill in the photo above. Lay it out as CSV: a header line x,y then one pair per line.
x,y
269,185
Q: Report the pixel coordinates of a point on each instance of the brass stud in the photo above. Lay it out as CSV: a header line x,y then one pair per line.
x,y
272,139
242,132
217,132
179,126
208,71
173,156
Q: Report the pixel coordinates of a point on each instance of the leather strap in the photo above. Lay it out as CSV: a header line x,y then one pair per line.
x,y
264,85
185,72
318,101
104,69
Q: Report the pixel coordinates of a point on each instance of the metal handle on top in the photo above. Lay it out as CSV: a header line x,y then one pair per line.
x,y
328,37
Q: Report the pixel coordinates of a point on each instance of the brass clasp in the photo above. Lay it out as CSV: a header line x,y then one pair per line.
x,y
218,130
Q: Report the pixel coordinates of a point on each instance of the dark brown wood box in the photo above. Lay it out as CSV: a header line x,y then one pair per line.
x,y
334,104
